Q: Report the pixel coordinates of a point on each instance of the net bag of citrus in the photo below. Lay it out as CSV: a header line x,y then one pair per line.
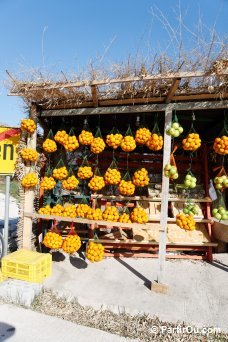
x,y
155,142
94,252
128,143
49,144
53,239
97,182
142,134
71,182
125,216
139,215
30,180
97,145
86,136
82,208
71,143
60,171
126,186
72,241
112,175
192,141
61,137
28,125
85,170
111,214
220,144
114,138
140,177
29,154
185,222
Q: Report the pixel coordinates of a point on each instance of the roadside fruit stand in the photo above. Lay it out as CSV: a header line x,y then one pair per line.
x,y
123,166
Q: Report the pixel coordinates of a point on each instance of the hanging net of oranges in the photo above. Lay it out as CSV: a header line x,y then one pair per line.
x,y
72,242
142,135
53,239
141,178
47,183
70,183
85,137
71,143
128,143
94,214
30,180
28,125
82,209
60,171
139,215
29,154
114,138
61,137
94,252
46,210
111,214
185,222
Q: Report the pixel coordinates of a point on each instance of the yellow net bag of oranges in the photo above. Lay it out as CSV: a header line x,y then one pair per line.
x,y
94,252
29,154
185,222
53,239
28,125
72,242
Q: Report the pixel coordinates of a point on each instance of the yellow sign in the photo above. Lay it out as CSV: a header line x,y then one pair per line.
x,y
9,139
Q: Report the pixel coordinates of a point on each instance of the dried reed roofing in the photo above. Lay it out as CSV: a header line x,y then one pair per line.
x,y
141,89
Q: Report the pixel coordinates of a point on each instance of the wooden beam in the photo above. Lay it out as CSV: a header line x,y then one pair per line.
x,y
34,86
164,196
172,89
206,105
132,101
94,95
202,96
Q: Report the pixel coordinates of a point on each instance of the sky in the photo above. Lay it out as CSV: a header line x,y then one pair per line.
x,y
57,35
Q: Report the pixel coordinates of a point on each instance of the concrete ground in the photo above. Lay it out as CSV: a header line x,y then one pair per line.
x,y
18,324
198,291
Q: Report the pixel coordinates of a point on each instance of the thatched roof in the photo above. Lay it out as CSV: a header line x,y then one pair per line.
x,y
139,87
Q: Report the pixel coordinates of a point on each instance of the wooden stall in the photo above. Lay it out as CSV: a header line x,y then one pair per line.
x,y
145,100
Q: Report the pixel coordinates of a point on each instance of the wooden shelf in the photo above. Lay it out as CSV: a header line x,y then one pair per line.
x,y
153,243
107,224
151,199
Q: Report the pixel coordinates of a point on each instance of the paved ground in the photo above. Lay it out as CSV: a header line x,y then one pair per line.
x,y
198,291
17,325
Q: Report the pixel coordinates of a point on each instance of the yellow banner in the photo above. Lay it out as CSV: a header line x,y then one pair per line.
x,y
9,139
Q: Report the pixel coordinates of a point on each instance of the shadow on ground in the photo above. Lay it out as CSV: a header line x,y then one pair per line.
x,y
147,282
78,262
6,331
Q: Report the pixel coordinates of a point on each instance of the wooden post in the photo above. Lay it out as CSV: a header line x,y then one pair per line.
x,y
164,206
29,194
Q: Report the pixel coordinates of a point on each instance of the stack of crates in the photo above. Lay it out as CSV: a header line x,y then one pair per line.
x,y
27,265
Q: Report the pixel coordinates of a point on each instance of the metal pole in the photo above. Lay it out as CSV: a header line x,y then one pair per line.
x,y
6,222
165,196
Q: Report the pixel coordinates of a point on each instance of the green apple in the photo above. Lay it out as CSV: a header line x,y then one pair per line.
x,y
218,186
214,211
218,216
175,125
166,173
172,131
189,177
175,176
173,170
187,183
224,217
167,167
176,134
181,130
